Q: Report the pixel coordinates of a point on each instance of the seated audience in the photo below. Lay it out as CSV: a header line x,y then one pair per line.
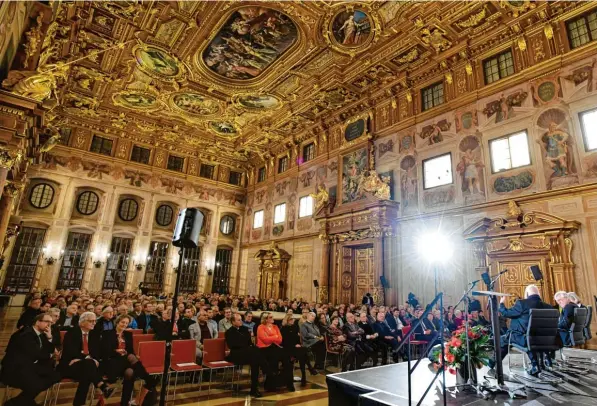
x,y
28,362
337,343
269,341
163,327
225,323
313,340
147,318
123,310
249,323
106,322
477,319
200,331
69,318
386,335
292,345
566,316
185,323
28,316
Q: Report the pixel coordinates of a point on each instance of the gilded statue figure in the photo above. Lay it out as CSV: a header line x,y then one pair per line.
x,y
513,209
321,197
378,186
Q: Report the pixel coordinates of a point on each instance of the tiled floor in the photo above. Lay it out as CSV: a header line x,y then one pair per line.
x,y
314,394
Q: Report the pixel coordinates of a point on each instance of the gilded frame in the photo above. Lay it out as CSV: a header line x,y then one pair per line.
x,y
116,99
236,102
373,36
367,115
144,47
187,114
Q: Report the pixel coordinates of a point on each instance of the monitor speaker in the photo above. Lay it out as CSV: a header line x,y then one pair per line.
x,y
188,228
536,271
384,282
315,283
486,278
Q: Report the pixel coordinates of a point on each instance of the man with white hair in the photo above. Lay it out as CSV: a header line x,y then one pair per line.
x,y
566,316
520,315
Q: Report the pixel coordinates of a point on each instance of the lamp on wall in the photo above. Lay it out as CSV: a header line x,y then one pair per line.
x,y
139,265
50,259
98,262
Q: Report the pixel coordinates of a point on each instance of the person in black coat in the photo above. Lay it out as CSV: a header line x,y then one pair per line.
x,y
566,316
292,346
106,322
243,352
28,364
367,299
162,328
119,359
80,358
386,335
69,317
519,316
28,316
184,323
146,320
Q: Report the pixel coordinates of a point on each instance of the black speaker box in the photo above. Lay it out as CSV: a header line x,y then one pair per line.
x,y
188,228
536,271
315,283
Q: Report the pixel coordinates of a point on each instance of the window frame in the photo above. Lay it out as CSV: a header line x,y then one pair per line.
x,y
311,147
282,168
120,209
261,171
255,217
240,177
181,170
437,157
104,139
312,206
212,171
499,71
584,131
141,149
226,217
157,213
79,200
507,136
44,184
431,89
585,19
284,219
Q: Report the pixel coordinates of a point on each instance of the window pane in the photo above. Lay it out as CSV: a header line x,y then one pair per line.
x,y
500,155
519,150
588,121
437,171
261,175
280,213
258,219
305,206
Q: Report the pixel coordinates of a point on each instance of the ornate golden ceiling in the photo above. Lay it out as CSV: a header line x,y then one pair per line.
x,y
237,81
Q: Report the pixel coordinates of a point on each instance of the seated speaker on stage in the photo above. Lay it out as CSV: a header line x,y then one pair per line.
x,y
519,316
566,315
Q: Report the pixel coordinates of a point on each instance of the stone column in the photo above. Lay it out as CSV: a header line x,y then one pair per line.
x,y
325,270
5,208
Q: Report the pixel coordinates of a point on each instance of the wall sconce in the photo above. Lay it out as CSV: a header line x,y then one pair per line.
x,y
98,263
139,265
49,259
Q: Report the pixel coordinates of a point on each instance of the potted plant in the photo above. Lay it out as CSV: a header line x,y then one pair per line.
x,y
455,354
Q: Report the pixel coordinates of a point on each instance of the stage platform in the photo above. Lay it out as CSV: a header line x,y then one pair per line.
x,y
388,385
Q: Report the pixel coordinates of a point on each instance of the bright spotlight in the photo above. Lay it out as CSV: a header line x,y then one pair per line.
x,y
435,247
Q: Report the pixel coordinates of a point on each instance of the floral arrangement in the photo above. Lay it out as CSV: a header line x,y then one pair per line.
x,y
455,349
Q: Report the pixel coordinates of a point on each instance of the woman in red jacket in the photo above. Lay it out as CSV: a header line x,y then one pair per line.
x,y
269,340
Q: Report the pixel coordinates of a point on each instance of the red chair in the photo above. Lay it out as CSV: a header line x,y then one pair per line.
x,y
151,354
139,338
328,350
214,354
135,331
183,360
416,343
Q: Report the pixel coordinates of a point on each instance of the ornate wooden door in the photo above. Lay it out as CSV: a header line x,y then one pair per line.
x,y
347,276
364,270
270,283
519,277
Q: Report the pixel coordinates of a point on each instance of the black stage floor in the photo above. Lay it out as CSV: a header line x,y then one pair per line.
x,y
388,385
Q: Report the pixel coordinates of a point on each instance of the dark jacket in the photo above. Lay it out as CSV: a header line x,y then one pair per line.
x,y
183,328
382,329
290,335
162,330
72,347
238,340
520,313
567,317
109,344
24,350
27,317
367,300
100,327
142,321
74,322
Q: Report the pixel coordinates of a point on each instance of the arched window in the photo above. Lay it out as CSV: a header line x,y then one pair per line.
x,y
87,203
163,215
128,209
41,196
227,225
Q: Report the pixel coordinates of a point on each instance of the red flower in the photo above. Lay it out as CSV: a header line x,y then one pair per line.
x,y
452,371
450,357
455,342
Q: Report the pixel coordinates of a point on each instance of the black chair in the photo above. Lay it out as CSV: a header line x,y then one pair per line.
x,y
542,333
587,329
576,331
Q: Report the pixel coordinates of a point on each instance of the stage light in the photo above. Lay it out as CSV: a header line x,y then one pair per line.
x,y
435,247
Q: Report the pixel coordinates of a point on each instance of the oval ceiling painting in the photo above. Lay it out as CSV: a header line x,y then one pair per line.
x,y
195,104
258,101
157,62
249,42
135,99
224,128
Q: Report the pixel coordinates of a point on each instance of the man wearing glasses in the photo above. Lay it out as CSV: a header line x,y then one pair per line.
x,y
28,363
80,355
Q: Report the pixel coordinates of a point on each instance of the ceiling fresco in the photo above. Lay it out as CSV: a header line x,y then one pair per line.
x,y
242,81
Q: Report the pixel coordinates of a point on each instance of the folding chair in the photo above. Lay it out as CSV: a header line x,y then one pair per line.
x,y
183,360
139,338
55,389
328,350
416,343
214,354
587,329
135,331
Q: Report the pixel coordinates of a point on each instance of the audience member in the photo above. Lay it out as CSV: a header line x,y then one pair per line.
x,y
225,323
566,316
269,341
313,339
292,345
200,331
28,316
338,343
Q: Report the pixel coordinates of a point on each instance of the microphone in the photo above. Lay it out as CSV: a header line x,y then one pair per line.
x,y
504,271
475,282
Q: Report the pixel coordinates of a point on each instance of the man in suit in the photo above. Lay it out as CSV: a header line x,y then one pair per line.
x,y
69,318
393,320
185,323
242,352
80,358
519,316
30,313
367,299
566,316
386,335
147,319
28,364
